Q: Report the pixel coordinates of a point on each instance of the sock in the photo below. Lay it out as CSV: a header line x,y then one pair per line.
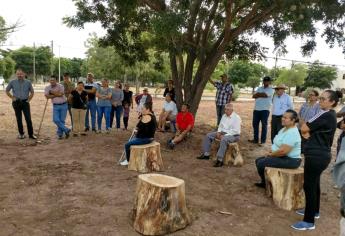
x,y
172,141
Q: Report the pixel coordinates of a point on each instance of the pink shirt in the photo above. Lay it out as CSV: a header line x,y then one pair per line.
x,y
56,88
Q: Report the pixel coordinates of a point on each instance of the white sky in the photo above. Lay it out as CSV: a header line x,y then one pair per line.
x,y
42,22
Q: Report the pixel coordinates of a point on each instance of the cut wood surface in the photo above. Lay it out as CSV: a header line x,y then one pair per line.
x,y
232,155
285,186
160,205
146,158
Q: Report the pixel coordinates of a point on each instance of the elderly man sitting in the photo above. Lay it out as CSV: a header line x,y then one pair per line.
x,y
229,130
184,125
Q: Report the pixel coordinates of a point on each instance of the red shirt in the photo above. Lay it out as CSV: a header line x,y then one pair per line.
x,y
183,120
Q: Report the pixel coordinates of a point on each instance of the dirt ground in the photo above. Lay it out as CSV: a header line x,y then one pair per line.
x,y
74,187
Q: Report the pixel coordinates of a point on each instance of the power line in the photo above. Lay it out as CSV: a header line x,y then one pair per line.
x,y
306,62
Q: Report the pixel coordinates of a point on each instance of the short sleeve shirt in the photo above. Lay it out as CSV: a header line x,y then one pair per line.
x,y
20,88
281,104
57,88
170,106
264,104
183,120
104,92
223,94
78,100
90,86
290,137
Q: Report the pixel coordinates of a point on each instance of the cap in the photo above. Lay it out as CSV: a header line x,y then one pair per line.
x,y
267,78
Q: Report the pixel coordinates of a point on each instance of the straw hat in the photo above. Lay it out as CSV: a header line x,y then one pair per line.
x,y
281,86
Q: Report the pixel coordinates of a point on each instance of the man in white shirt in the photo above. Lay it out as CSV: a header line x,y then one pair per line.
x,y
281,103
229,131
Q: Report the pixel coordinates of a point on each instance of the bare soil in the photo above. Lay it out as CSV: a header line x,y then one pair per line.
x,y
74,187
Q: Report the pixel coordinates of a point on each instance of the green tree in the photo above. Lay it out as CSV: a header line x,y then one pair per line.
x,y
24,59
199,33
65,65
293,77
76,67
319,76
9,67
6,29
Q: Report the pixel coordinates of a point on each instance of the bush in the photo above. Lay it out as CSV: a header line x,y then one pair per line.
x,y
235,94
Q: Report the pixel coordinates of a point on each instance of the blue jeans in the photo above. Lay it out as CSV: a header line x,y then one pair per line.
x,y
220,113
275,162
260,116
135,141
118,111
106,112
59,117
91,108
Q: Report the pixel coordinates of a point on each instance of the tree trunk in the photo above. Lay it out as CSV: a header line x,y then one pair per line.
x,y
160,205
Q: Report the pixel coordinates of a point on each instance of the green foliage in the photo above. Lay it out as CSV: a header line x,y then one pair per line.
x,y
24,59
292,77
3,33
235,94
320,76
246,74
9,67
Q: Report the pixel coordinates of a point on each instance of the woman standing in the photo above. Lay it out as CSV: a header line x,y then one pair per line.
x,y
310,108
78,100
127,104
104,105
116,104
170,89
319,133
145,132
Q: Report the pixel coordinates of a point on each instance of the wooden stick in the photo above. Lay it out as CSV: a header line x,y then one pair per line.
x,y
124,151
44,111
225,212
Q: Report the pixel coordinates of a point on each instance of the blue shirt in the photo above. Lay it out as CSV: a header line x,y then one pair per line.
x,y
101,101
281,104
20,88
290,137
263,104
307,112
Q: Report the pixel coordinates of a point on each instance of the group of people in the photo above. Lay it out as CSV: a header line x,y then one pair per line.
x,y
310,131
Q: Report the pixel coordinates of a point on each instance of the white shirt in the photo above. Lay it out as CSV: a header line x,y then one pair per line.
x,y
231,125
170,106
281,104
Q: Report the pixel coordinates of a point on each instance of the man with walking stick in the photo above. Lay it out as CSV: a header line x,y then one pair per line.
x,y
22,93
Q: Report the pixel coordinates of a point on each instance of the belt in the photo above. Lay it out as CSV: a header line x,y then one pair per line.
x,y
278,116
59,103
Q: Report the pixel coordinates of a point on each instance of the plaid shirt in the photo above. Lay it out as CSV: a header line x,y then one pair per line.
x,y
223,93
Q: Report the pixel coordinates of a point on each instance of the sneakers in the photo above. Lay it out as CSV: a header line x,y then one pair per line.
x,y
203,157
260,185
67,134
170,144
21,136
124,163
218,164
87,129
302,225
301,213
33,136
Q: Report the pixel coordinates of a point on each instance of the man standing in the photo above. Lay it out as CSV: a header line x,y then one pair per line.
x,y
281,103
229,131
223,95
184,125
91,88
55,92
68,87
22,93
263,101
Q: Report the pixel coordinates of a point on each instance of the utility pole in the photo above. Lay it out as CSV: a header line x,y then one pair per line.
x,y
59,66
51,65
34,63
275,67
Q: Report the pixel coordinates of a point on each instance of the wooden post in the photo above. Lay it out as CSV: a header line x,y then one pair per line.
x,y
232,154
285,186
160,205
146,158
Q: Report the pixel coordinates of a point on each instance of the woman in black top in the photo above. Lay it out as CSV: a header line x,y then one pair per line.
x,y
170,89
145,131
318,133
78,100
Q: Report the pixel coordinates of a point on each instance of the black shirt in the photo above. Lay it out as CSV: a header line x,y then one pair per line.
x,y
78,100
147,130
171,92
322,131
127,97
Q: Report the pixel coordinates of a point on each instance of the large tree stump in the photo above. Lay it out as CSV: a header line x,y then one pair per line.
x,y
285,186
232,154
160,205
146,158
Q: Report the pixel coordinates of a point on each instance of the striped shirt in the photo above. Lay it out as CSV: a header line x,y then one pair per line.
x,y
309,111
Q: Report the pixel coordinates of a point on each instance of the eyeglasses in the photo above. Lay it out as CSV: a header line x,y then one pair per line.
x,y
322,98
311,95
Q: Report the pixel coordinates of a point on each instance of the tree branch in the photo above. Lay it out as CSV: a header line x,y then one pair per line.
x,y
157,5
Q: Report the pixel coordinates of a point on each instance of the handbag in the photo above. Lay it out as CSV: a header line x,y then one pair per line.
x,y
84,104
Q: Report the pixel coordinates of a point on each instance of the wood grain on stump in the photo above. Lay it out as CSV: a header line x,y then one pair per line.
x,y
232,155
146,158
160,205
285,186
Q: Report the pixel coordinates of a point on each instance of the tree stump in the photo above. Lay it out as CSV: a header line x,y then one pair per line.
x,y
146,158
232,154
285,186
160,206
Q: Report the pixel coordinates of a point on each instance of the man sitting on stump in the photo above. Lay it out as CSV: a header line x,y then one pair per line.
x,y
229,130
184,125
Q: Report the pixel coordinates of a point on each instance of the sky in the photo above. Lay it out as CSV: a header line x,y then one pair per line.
x,y
42,23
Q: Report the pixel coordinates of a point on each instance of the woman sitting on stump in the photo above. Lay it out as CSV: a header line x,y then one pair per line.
x,y
145,130
286,148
